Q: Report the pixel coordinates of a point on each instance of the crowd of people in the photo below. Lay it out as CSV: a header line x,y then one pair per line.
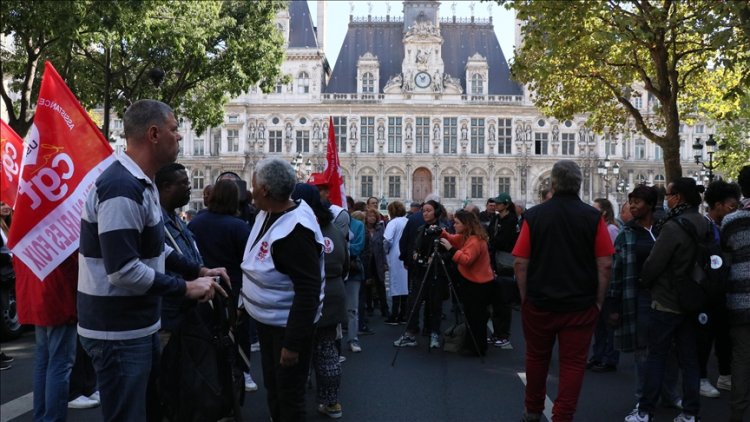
x,y
300,277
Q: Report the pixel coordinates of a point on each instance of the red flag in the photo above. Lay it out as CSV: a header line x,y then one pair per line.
x,y
332,172
11,151
65,154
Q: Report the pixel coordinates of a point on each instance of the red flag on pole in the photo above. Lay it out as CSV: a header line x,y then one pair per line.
x,y
65,154
11,151
332,172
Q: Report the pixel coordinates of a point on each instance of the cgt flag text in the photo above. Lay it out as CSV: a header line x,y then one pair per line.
x,y
11,152
65,153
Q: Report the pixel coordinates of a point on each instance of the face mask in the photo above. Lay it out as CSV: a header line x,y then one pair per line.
x,y
666,205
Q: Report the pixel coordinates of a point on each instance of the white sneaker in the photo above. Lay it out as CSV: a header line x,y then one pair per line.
x,y
95,396
724,382
708,390
255,347
682,417
250,385
342,359
636,416
434,341
355,347
82,402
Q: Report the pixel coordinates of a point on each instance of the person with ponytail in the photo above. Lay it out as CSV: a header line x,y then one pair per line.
x,y
468,250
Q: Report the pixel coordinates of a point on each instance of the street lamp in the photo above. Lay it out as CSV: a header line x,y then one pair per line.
x,y
711,147
383,203
607,172
296,163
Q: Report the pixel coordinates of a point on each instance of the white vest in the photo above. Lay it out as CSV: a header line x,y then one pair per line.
x,y
267,294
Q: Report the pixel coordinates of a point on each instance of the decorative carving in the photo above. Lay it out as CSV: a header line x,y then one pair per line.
x,y
316,131
423,56
353,131
261,131
288,130
252,133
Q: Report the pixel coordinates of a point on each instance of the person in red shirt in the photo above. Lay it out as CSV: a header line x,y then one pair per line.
x,y
563,265
468,249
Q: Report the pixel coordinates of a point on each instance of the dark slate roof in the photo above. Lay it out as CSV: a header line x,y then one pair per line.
x,y
301,28
384,40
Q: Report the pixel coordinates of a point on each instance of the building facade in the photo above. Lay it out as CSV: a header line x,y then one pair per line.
x,y
420,103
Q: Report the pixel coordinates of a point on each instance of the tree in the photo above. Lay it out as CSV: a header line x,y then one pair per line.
x,y
191,55
594,57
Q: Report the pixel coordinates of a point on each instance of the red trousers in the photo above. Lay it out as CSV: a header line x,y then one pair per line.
x,y
573,330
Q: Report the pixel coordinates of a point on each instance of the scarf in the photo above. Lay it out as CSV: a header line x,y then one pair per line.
x,y
675,212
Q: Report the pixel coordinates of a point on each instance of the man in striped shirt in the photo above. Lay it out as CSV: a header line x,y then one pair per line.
x,y
122,262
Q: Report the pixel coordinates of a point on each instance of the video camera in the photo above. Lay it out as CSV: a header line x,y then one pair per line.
x,y
434,230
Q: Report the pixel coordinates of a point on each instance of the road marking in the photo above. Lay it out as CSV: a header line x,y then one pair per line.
x,y
547,401
16,407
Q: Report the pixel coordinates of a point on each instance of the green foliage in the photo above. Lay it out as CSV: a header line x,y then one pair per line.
x,y
208,50
591,57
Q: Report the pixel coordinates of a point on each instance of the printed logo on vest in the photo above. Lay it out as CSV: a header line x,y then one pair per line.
x,y
263,253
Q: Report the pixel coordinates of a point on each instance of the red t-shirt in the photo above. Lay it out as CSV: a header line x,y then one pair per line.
x,y
602,243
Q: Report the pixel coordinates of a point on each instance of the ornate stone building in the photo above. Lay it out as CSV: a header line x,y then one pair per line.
x,y
419,104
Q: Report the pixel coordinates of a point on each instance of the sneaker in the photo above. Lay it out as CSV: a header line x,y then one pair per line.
x,y
332,411
250,385
637,416
434,341
684,417
503,343
82,402
631,417
724,382
5,358
405,341
255,347
708,390
391,321
342,359
95,396
603,367
355,347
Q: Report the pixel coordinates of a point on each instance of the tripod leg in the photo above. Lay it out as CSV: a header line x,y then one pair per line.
x,y
412,312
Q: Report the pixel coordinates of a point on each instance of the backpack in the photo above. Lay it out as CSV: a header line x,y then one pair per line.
x,y
201,379
705,286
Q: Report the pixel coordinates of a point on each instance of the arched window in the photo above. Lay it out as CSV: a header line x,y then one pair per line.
x,y
659,180
368,83
477,84
198,179
640,179
303,83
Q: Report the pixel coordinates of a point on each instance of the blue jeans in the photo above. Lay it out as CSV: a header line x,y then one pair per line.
x,y
55,355
665,329
126,371
352,308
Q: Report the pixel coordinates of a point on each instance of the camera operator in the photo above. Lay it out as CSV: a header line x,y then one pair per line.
x,y
435,289
468,249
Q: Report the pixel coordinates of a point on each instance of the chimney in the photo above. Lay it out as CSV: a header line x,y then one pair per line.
x,y
320,29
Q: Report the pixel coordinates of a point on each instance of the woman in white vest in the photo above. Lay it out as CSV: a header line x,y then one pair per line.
x,y
282,286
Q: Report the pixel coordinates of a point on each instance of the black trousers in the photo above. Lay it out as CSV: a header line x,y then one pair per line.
x,y
285,386
82,377
475,298
715,335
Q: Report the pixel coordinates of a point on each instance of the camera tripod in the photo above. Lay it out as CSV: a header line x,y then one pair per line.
x,y
432,262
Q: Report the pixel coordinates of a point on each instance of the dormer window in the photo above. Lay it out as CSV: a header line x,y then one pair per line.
x,y
368,83
477,84
303,83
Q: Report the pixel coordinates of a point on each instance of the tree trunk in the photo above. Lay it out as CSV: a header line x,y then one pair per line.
x,y
672,166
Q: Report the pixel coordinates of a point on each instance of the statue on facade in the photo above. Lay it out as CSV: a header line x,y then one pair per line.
x,y
492,132
316,131
353,131
261,131
464,131
381,131
423,56
288,129
436,131
394,83
252,131
408,131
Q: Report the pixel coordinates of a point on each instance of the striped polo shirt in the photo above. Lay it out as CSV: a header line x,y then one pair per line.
x,y
122,257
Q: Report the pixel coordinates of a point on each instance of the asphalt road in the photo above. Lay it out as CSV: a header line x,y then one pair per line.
x,y
422,386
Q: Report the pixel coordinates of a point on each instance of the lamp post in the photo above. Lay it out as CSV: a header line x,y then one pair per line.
x,y
297,164
523,143
711,147
587,142
607,172
383,203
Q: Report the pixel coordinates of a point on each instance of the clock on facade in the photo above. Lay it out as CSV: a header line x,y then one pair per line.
x,y
422,79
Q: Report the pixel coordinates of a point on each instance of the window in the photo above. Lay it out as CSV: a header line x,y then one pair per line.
x,y
659,180
477,136
216,138
699,128
637,102
610,146
394,135
303,83
568,141
368,83
339,125
449,187
366,186
232,118
198,179
233,140
640,149
279,88
504,135
367,135
422,136
658,153
477,84
303,141
198,146
394,187
117,124
503,184
541,143
450,135
477,183
274,140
